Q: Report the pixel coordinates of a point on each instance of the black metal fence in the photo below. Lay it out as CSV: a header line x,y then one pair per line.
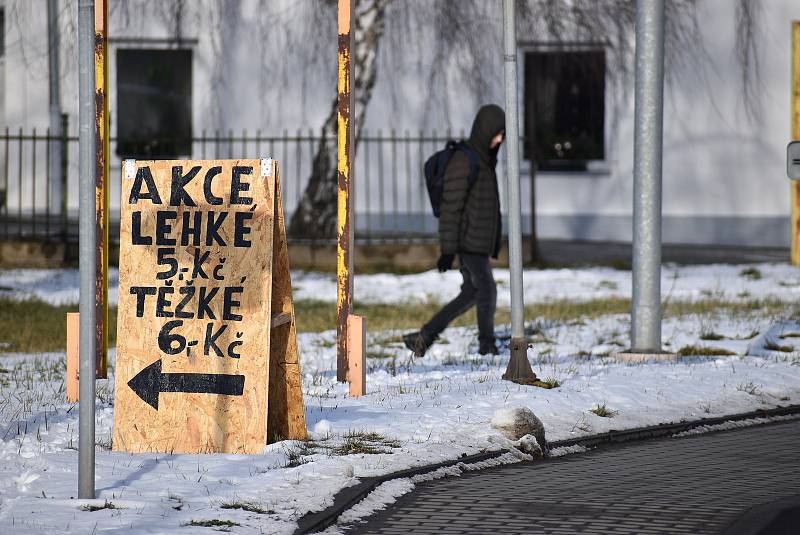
x,y
29,208
390,198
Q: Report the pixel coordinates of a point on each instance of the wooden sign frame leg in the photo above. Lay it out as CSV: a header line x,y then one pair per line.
x,y
73,356
285,409
356,351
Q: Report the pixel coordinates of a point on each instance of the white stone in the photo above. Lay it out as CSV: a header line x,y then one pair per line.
x,y
322,428
516,422
528,444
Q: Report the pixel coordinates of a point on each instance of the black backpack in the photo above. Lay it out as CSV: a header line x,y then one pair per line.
x,y
435,167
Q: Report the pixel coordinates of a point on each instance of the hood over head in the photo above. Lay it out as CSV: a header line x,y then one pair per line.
x,y
489,122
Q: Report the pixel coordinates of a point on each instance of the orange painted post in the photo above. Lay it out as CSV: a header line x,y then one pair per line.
x,y
795,121
101,184
344,253
356,350
73,356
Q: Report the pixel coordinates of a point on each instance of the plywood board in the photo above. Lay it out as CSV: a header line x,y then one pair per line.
x,y
193,331
286,410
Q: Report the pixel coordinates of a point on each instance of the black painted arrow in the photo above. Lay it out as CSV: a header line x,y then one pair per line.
x,y
150,382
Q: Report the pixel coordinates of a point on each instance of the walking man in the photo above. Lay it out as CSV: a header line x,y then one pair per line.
x,y
470,228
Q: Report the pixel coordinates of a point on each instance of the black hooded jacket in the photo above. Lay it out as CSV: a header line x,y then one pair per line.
x,y
470,217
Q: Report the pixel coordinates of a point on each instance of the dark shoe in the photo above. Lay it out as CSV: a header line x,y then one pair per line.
x,y
488,347
416,343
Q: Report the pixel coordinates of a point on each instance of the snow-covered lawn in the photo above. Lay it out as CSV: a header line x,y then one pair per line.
x,y
417,412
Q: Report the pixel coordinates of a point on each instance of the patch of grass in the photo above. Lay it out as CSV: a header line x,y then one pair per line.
x,y
351,443
315,316
563,310
550,382
34,326
92,508
364,443
608,285
326,344
772,346
603,411
716,305
379,354
750,387
621,265
250,507
546,384
752,334
300,454
389,339
751,273
711,335
704,351
213,523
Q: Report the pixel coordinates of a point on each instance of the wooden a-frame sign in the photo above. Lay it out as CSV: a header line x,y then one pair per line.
x,y
206,341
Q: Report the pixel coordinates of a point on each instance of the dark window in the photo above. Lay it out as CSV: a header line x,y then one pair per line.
x,y
154,99
565,108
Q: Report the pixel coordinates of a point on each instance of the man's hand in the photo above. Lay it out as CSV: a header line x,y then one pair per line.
x,y
445,262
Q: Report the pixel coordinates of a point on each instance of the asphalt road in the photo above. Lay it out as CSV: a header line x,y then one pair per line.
x,y
739,482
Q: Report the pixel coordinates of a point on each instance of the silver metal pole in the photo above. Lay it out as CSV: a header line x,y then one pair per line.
x,y
649,110
53,48
86,117
518,366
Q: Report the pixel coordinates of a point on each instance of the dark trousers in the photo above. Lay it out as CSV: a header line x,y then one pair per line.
x,y
478,289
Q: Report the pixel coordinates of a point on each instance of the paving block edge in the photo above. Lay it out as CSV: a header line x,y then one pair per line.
x,y
349,496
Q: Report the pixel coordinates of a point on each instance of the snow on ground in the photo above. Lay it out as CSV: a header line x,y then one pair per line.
x,y
419,412
690,283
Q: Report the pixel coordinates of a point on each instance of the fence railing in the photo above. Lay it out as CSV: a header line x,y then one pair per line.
x,y
31,205
390,198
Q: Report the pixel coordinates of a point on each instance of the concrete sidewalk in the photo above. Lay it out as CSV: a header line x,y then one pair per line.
x,y
739,482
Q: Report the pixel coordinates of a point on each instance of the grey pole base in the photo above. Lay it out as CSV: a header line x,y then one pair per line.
x,y
519,368
635,355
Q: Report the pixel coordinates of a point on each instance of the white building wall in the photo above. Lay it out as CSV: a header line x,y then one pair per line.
x,y
723,175
724,178
2,76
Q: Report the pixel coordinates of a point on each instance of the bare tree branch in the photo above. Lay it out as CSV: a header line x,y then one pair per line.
x,y
748,14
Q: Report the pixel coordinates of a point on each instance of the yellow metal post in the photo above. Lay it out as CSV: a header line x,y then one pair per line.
x,y
795,118
101,183
344,129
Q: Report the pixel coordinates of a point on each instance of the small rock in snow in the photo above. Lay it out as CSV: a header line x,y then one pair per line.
x,y
528,444
323,427
516,422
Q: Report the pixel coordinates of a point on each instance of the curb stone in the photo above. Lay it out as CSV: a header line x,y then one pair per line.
x,y
349,496
667,429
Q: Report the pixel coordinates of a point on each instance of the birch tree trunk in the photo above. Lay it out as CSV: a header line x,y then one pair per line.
x,y
315,216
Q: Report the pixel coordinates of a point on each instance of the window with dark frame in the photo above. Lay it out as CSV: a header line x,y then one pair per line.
x,y
154,99
564,108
